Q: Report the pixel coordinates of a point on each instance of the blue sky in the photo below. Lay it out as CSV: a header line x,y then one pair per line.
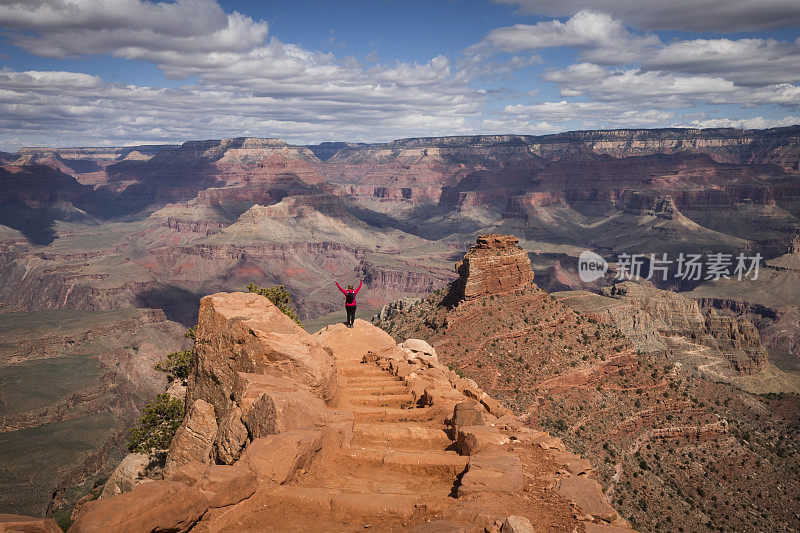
x,y
113,72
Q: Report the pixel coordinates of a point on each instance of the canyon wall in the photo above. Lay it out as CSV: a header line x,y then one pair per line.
x,y
673,314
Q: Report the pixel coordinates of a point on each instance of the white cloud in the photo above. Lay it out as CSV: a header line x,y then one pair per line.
x,y
249,83
81,109
246,82
747,123
600,38
695,15
511,125
665,90
589,114
754,62
133,29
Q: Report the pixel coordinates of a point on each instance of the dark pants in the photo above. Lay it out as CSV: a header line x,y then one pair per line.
x,y
351,314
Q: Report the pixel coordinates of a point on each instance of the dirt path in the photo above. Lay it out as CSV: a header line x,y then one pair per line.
x,y
399,470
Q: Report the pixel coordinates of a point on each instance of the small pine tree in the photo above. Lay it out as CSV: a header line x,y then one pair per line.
x,y
157,425
177,365
280,297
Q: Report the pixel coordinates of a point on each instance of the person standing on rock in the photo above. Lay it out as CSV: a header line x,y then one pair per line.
x,y
350,302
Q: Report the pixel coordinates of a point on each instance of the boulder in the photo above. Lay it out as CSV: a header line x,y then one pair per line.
x,y
462,384
517,524
232,438
245,332
419,345
130,472
276,458
469,413
493,406
272,405
573,463
587,494
155,506
222,485
28,524
492,472
437,395
226,485
508,421
473,439
356,342
194,439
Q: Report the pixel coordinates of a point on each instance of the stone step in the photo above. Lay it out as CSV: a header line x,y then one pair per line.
x,y
349,365
375,380
362,390
347,504
390,414
418,461
378,400
363,371
407,434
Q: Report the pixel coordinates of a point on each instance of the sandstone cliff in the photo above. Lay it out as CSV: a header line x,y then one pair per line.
x,y
494,265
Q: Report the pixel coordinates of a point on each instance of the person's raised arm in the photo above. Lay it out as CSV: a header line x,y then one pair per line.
x,y
340,287
359,286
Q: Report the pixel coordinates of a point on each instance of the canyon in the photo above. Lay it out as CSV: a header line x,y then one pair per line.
x,y
151,230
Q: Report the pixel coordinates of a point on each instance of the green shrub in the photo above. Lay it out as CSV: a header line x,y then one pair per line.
x,y
177,365
157,425
280,297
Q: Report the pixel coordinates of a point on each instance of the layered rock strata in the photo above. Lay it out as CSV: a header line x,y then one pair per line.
x,y
494,265
672,314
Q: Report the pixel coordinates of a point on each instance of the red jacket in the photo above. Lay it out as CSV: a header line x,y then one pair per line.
x,y
350,290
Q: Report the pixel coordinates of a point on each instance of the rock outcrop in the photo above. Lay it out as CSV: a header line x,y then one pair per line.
x,y
246,333
634,322
673,314
258,382
794,246
266,442
494,265
394,307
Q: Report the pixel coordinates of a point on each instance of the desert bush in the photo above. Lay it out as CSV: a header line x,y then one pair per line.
x,y
280,297
157,425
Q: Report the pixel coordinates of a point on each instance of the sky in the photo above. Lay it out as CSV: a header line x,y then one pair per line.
x,y
122,72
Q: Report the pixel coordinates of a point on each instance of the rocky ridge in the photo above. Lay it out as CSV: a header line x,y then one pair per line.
x,y
350,427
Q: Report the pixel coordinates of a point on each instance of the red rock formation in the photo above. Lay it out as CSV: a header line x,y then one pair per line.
x,y
494,265
262,340
378,481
